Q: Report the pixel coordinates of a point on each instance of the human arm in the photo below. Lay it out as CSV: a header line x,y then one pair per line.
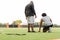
x,y
33,10
50,20
40,25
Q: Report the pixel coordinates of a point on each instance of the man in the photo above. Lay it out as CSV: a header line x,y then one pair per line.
x,y
47,23
30,13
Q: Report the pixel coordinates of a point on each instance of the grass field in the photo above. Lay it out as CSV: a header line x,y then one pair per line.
x,y
22,34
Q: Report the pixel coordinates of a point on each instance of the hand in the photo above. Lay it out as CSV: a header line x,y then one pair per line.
x,y
35,16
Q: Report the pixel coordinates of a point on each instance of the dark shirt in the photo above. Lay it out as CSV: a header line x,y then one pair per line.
x,y
29,10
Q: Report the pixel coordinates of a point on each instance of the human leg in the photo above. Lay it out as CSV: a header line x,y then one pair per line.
x,y
32,27
28,27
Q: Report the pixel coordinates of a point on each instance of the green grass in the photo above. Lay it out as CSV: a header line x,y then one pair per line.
x,y
22,34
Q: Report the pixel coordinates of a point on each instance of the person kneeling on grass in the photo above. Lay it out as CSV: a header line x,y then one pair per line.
x,y
47,23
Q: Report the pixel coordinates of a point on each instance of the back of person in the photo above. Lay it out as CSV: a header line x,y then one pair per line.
x,y
29,10
47,20
30,14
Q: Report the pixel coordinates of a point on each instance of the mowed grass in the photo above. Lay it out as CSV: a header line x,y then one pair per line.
x,y
22,34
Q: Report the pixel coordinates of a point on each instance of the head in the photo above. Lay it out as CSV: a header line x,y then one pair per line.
x,y
31,2
44,14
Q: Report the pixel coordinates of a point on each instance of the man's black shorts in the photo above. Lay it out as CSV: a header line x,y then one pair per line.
x,y
46,28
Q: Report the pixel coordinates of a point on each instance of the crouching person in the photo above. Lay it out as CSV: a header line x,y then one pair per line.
x,y
47,23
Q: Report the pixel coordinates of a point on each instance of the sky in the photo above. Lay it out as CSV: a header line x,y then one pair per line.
x,y
11,10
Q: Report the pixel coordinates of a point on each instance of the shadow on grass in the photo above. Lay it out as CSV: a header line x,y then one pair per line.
x,y
15,34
